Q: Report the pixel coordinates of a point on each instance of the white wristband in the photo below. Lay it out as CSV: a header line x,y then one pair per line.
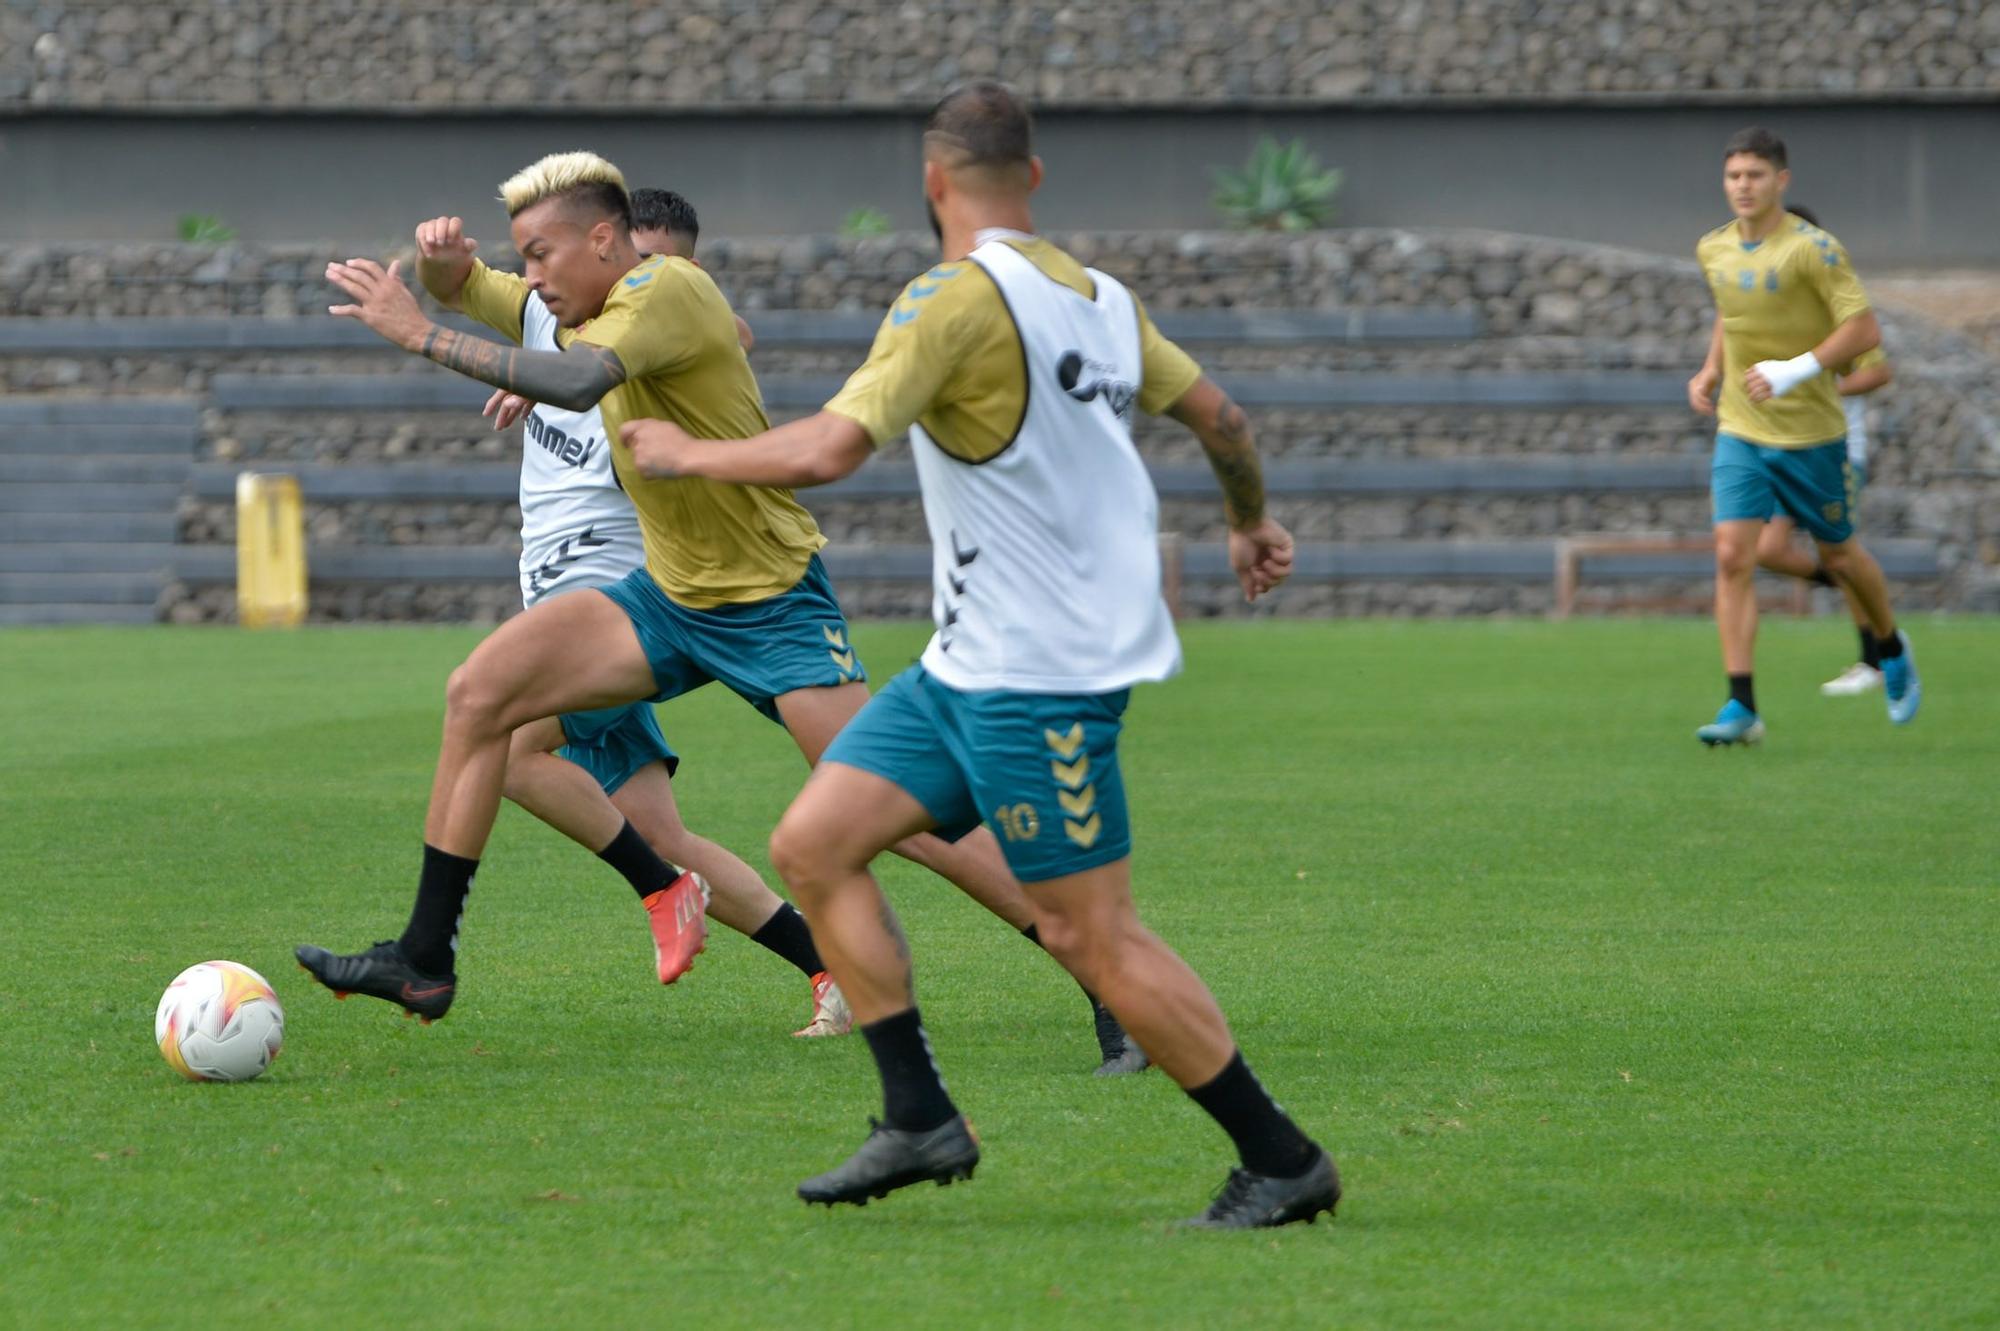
x,y
1785,375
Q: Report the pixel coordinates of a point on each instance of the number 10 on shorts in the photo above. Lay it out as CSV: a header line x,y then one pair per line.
x,y
1018,822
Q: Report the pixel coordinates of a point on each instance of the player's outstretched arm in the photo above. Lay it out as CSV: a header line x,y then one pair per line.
x,y
815,451
444,258
1260,550
573,379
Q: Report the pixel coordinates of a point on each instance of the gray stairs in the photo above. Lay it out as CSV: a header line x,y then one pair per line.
x,y
88,492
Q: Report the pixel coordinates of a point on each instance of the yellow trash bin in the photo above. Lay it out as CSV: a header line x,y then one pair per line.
x,y
270,551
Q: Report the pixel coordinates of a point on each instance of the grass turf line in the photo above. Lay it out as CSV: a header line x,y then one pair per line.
x,y
1604,1028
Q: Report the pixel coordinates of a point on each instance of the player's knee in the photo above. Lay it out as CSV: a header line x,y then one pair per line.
x,y
1087,942
1067,939
1838,559
1735,558
798,856
471,701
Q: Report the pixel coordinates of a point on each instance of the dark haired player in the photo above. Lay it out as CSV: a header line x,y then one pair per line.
x,y
1016,371
1788,305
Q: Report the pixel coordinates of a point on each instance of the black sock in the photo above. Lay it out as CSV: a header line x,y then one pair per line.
x,y
1033,935
1871,650
913,1094
787,934
1265,1136
430,940
1819,577
642,866
1889,648
1742,691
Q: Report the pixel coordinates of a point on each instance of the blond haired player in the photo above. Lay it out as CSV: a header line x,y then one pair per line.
x,y
1016,371
1788,305
579,530
732,588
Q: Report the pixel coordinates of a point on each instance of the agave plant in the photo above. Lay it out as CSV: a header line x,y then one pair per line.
x,y
205,229
1281,189
866,222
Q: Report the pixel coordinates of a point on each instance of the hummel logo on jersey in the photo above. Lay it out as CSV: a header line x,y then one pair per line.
x,y
576,452
557,564
1085,380
962,555
906,307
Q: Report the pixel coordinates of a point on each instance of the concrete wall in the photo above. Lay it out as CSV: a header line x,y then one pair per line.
x,y
374,54
1909,184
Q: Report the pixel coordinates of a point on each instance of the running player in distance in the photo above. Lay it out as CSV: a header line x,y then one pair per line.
x,y
1788,305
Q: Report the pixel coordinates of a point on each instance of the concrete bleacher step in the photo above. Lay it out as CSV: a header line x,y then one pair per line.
x,y
93,469
444,391
74,556
48,614
110,529
84,498
141,588
46,440
123,336
1513,560
163,412
499,482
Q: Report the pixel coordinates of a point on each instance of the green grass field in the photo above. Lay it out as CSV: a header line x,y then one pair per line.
x,y
1606,1030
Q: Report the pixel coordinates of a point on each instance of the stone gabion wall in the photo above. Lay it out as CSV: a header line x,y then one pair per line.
x,y
1520,285
852,53
1545,304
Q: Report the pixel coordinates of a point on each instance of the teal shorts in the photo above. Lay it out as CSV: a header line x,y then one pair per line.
x,y
1813,486
1041,769
612,743
795,640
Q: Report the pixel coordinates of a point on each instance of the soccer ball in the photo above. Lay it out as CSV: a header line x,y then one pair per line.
x,y
219,1021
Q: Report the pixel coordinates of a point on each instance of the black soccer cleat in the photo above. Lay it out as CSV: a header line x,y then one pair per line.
x,y
1257,1201
1120,1051
893,1158
381,972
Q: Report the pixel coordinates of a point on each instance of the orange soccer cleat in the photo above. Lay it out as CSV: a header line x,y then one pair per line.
x,y
680,931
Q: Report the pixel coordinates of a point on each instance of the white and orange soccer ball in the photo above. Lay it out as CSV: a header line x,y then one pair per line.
x,y
219,1021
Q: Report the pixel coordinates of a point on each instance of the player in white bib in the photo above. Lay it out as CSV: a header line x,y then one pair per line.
x,y
1016,371
578,529
1776,551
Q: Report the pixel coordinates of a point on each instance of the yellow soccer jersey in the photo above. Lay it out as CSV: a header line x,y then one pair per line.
x,y
707,543
949,358
1779,298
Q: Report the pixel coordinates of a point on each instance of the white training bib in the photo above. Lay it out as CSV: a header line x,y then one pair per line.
x,y
1045,557
578,527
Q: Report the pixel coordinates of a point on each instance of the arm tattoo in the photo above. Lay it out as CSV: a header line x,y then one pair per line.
x,y
1233,454
574,379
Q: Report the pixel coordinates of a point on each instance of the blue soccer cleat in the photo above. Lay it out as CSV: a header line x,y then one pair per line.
x,y
1734,724
1900,684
